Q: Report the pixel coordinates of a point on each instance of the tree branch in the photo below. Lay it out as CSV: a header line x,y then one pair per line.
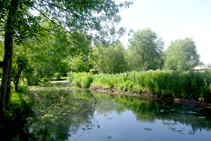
x,y
60,8
50,19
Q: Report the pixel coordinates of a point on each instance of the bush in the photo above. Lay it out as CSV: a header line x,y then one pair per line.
x,y
33,80
22,88
57,76
70,77
93,71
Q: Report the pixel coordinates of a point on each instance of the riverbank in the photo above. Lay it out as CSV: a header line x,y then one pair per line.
x,y
149,95
182,87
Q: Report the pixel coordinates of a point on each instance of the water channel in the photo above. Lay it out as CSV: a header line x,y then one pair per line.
x,y
80,115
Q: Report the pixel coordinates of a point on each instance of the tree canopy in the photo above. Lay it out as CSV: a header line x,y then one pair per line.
x,y
145,50
182,55
18,24
109,58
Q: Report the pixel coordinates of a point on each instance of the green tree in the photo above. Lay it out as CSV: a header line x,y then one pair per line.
x,y
19,24
109,58
20,63
182,55
50,54
78,64
144,51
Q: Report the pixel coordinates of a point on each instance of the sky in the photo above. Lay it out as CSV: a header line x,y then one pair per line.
x,y
172,20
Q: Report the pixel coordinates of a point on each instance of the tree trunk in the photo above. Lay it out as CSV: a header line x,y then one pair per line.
x,y
17,78
16,87
7,63
6,78
1,64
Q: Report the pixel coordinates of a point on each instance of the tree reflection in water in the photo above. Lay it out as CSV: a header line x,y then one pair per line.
x,y
49,115
58,113
149,111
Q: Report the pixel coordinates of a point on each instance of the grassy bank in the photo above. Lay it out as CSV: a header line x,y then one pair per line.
x,y
161,83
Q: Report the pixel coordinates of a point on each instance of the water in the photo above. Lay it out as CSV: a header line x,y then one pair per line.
x,y
80,115
124,118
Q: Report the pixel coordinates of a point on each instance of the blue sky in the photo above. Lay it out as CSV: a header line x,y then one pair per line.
x,y
171,20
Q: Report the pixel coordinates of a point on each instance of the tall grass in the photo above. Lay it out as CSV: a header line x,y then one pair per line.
x,y
83,80
162,83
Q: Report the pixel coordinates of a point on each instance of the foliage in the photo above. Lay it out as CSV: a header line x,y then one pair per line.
x,y
1,51
30,74
145,51
146,110
50,60
78,64
19,64
47,111
14,121
19,25
109,58
93,71
182,55
57,76
83,80
22,88
162,83
77,16
59,55
61,111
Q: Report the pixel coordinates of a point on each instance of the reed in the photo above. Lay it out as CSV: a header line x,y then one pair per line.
x,y
83,80
162,83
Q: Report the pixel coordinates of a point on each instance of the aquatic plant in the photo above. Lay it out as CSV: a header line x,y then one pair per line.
x,y
162,83
83,79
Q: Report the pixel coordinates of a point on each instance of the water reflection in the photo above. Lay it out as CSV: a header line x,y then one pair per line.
x,y
150,111
156,117
73,114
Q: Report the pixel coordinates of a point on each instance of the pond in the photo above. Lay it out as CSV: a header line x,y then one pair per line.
x,y
80,115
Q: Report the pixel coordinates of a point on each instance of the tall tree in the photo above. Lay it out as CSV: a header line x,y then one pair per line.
x,y
182,55
144,51
19,24
109,58
49,51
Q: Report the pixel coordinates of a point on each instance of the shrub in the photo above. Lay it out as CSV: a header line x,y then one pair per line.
x,y
22,88
70,77
93,71
33,80
57,75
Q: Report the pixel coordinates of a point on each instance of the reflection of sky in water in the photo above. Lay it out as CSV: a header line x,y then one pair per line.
x,y
125,127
